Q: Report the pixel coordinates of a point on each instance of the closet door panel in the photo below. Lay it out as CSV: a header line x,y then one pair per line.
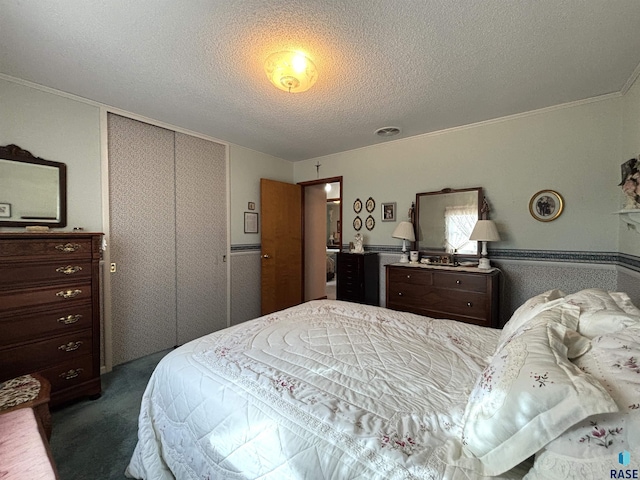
x,y
142,238
201,236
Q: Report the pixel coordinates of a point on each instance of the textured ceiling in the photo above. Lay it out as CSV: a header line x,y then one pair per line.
x,y
421,65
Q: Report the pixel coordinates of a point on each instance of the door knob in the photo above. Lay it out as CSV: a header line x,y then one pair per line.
x,y
266,255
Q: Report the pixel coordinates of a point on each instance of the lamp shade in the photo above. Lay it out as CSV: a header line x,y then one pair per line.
x,y
485,231
404,231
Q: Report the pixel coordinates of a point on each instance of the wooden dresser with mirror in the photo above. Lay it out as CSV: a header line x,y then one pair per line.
x,y
443,223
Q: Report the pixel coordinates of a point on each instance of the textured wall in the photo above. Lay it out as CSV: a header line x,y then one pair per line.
x,y
245,285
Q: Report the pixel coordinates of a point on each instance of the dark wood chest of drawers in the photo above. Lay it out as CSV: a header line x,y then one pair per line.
x,y
50,310
358,278
467,296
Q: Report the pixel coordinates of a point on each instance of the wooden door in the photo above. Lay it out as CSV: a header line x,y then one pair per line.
x,y
281,240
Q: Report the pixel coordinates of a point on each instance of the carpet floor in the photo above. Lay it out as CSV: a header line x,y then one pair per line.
x,y
94,439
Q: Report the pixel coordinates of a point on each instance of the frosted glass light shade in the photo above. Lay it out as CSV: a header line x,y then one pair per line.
x,y
292,72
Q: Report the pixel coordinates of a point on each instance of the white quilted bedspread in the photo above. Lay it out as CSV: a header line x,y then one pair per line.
x,y
324,390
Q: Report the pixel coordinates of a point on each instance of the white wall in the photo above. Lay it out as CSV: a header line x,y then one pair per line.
x,y
61,129
573,149
247,167
630,238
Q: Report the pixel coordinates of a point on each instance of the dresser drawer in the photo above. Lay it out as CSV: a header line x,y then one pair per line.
x,y
414,275
39,355
453,294
55,296
14,274
44,323
455,281
70,373
53,248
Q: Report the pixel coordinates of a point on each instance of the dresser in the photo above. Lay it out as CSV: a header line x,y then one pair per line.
x,y
465,294
50,310
358,278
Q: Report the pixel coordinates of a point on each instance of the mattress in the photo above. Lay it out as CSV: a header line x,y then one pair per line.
x,y
324,390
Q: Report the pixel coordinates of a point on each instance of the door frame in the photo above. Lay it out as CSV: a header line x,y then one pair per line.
x,y
311,183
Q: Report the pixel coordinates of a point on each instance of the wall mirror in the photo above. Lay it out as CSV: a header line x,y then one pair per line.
x,y
445,219
33,191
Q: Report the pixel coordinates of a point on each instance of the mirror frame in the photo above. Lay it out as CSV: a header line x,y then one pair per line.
x,y
441,192
17,154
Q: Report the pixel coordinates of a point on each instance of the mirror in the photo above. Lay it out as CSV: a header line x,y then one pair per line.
x,y
445,219
334,212
33,191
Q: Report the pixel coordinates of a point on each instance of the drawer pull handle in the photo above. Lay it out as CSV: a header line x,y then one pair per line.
x,y
408,276
70,347
458,282
68,247
69,319
68,293
399,294
469,304
68,270
70,374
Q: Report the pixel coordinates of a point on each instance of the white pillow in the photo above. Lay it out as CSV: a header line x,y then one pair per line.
x,y
528,395
545,311
590,448
601,311
530,309
624,302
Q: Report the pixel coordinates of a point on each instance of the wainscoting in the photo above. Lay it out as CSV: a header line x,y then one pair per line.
x,y
524,274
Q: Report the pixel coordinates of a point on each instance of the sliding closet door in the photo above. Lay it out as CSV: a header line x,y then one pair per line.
x,y
142,238
201,236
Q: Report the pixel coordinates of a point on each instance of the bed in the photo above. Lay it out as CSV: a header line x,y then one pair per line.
x,y
335,390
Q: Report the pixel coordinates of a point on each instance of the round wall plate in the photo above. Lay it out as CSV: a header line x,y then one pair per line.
x,y
357,223
357,205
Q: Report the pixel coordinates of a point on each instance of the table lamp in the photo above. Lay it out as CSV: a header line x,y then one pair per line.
x,y
484,231
404,231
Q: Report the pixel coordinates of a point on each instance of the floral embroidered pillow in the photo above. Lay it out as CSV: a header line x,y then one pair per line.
x,y
530,309
603,312
590,449
527,396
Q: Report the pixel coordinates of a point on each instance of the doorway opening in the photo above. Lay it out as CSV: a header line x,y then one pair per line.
x,y
322,230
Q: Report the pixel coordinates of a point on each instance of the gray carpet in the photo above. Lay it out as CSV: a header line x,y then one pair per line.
x,y
94,439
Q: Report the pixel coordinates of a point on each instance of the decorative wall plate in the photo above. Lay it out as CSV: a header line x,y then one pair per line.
x,y
546,205
371,205
357,205
370,222
357,223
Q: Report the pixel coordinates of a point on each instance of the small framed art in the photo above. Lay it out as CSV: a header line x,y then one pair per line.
x,y
5,210
546,205
250,222
389,212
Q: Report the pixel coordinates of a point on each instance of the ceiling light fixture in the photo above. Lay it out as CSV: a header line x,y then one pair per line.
x,y
292,72
387,131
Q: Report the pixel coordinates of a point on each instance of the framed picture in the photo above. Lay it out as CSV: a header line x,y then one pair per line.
x,y
5,210
389,212
546,205
250,222
251,206
357,205
371,204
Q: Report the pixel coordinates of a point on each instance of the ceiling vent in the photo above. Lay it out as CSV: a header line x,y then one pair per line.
x,y
387,131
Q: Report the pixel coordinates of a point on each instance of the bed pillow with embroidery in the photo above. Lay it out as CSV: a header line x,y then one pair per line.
x,y
603,312
530,309
590,449
528,395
